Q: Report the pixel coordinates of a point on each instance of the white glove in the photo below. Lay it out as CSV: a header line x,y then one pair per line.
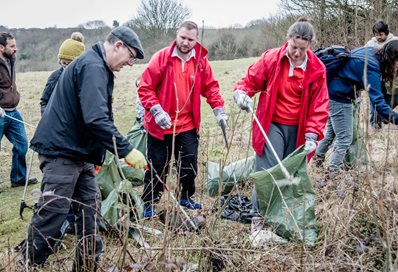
x,y
309,147
2,113
243,100
220,116
162,118
310,142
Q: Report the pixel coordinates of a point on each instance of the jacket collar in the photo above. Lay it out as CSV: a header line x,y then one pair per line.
x,y
200,51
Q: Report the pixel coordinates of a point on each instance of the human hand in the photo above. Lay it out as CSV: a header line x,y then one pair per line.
x,y
243,100
2,113
310,142
135,159
162,118
309,146
221,117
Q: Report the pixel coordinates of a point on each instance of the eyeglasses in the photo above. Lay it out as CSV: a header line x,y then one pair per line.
x,y
133,58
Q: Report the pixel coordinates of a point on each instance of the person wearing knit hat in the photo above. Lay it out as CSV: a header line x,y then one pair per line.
x,y
70,49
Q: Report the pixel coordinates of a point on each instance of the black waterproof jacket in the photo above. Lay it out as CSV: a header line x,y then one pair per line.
x,y
49,88
78,121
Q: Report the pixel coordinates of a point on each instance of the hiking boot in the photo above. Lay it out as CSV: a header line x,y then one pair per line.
x,y
149,210
190,204
30,182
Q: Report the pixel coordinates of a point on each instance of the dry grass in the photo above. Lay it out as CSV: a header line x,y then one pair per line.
x,y
356,212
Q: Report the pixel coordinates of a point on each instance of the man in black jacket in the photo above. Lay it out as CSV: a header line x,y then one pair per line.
x,y
75,130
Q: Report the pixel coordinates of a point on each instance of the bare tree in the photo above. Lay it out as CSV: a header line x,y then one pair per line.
x,y
95,24
160,17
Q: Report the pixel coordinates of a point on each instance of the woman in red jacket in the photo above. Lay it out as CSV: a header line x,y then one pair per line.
x,y
293,101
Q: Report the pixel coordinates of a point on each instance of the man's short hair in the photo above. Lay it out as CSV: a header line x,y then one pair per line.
x,y
380,27
4,36
190,25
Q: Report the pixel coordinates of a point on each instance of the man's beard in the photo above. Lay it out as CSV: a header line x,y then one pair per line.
x,y
184,52
9,56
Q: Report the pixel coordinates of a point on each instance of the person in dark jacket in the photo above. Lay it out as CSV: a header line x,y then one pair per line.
x,y
342,92
12,125
70,49
75,130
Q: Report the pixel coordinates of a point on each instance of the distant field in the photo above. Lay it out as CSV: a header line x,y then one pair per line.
x,y
350,218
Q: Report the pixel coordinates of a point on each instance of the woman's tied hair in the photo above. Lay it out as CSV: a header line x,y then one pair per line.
x,y
301,29
388,56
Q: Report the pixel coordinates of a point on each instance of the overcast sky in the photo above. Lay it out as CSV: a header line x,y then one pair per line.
x,y
70,13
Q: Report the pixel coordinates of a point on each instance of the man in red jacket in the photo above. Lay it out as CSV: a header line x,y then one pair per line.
x,y
170,91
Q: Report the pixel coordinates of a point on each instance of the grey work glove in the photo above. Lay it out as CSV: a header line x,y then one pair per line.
x,y
2,113
310,142
162,118
243,100
221,117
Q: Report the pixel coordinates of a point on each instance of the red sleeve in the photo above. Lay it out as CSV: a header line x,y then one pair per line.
x,y
149,81
318,108
256,77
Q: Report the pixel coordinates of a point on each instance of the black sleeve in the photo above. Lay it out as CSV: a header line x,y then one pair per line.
x,y
49,88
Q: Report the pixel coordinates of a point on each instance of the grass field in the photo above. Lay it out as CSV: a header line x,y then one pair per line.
x,y
356,213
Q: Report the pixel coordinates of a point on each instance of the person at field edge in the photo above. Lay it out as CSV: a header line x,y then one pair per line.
x,y
293,102
75,130
170,90
342,92
11,122
382,35
70,49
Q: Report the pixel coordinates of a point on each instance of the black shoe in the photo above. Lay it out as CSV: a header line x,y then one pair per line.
x,y
30,182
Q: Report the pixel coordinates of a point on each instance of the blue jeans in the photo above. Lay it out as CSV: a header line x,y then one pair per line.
x,y
15,133
338,129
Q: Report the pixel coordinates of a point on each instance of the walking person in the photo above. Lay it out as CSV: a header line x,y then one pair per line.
x,y
170,90
342,92
293,101
382,36
75,130
12,128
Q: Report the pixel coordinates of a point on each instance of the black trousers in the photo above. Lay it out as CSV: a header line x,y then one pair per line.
x,y
159,155
65,180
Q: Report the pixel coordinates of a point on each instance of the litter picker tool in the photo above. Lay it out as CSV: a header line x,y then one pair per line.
x,y
15,119
223,125
291,179
23,202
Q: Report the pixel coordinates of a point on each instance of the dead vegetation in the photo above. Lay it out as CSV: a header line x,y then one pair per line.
x,y
356,211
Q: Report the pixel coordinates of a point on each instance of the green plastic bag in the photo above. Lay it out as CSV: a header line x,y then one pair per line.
x,y
108,176
111,205
355,155
290,210
137,137
239,171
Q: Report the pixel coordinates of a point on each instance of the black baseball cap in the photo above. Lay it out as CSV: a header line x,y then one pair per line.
x,y
130,38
